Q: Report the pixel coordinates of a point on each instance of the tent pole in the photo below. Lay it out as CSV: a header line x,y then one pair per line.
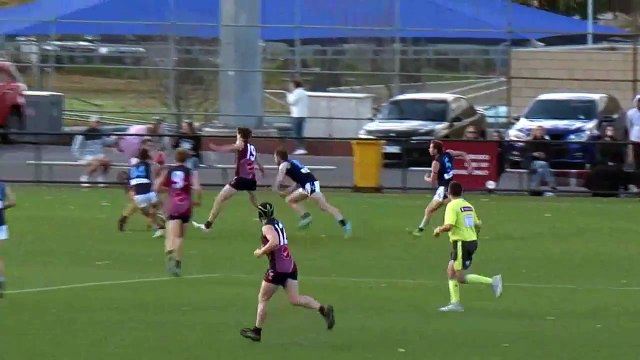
x,y
509,60
397,47
590,22
52,59
173,57
635,11
297,41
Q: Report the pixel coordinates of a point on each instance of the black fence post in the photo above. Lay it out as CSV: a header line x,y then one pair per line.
x,y
37,167
404,172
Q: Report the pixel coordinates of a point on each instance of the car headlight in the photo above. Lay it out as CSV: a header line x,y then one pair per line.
x,y
516,135
581,136
363,134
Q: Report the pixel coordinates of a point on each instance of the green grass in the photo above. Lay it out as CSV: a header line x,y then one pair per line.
x,y
572,288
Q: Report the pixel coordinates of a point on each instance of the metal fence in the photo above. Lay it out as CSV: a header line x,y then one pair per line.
x,y
507,163
136,77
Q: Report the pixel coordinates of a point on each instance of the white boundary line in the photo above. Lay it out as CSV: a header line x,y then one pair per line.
x,y
322,278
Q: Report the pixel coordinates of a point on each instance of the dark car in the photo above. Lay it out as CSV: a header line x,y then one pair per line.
x,y
408,122
569,117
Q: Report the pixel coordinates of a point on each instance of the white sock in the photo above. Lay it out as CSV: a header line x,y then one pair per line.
x,y
425,222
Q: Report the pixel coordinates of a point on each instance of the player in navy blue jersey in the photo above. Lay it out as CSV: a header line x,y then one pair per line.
x,y
141,190
304,186
7,201
441,175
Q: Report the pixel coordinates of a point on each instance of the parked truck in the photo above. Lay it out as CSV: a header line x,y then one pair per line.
x,y
12,101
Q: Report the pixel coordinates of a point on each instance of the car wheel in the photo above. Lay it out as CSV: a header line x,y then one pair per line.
x,y
13,123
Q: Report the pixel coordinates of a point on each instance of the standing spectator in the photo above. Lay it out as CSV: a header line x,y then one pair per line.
x,y
189,140
298,101
633,125
131,145
89,148
471,133
538,150
497,136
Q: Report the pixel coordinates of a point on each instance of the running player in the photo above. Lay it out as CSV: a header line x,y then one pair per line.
x,y
442,175
245,179
463,225
7,201
140,188
179,181
282,272
305,186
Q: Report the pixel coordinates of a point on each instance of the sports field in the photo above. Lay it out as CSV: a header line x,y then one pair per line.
x,y
81,290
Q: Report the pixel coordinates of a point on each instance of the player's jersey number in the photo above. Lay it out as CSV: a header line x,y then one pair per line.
x,y
178,179
303,169
138,172
448,168
469,221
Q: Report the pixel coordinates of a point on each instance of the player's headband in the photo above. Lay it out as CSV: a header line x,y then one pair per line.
x,y
265,210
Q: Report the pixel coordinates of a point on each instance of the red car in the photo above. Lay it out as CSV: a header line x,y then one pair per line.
x,y
12,100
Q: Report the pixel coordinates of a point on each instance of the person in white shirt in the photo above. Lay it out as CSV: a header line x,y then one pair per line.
x,y
298,101
633,124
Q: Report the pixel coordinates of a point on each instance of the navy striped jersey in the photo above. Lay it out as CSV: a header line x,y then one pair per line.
x,y
445,173
280,260
299,173
140,178
3,198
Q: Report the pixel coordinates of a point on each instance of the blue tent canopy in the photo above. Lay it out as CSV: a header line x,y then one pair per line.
x,y
445,19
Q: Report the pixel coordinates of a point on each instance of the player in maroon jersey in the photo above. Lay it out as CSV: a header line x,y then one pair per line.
x,y
282,272
245,179
178,181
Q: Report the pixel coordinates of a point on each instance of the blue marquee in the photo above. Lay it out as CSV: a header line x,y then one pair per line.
x,y
433,19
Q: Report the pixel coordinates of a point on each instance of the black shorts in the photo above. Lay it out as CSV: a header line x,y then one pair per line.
x,y
243,184
462,253
184,218
280,278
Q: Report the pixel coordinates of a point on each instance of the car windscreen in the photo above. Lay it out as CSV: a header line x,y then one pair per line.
x,y
416,109
563,109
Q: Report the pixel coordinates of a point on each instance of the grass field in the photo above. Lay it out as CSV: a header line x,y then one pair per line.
x,y
572,288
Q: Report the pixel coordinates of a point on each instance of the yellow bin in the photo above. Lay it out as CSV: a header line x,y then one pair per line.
x,y
367,165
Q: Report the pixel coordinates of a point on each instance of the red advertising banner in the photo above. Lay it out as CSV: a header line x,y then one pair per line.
x,y
484,158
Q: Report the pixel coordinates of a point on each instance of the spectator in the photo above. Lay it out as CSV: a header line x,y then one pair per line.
x,y
298,101
471,133
609,152
89,148
608,176
190,141
497,136
538,151
633,125
131,145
